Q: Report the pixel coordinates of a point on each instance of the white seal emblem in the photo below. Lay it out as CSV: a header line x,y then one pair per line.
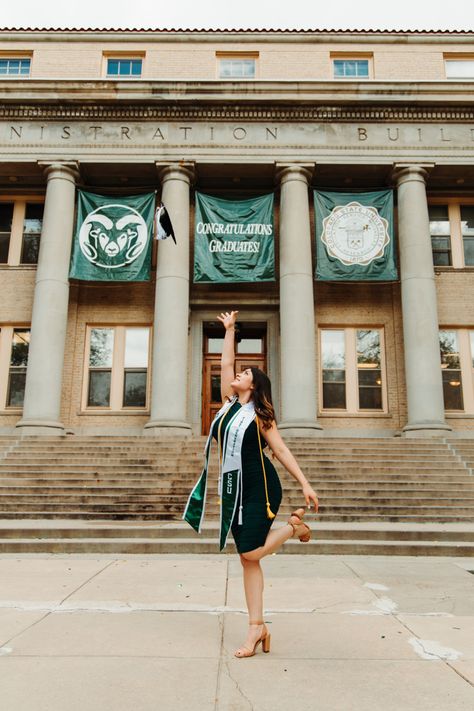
x,y
113,236
355,234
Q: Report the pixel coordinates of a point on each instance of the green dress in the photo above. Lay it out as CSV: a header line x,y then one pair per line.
x,y
255,523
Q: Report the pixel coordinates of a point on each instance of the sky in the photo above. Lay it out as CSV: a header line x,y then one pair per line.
x,y
241,14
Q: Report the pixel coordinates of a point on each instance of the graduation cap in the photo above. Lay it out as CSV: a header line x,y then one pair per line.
x,y
163,226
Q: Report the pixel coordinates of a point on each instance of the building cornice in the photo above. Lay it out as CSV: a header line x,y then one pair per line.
x,y
216,100
48,98
252,36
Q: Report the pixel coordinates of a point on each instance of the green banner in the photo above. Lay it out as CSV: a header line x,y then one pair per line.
x,y
114,237
233,240
354,236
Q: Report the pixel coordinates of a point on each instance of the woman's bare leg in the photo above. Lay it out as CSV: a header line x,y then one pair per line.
x,y
253,586
274,540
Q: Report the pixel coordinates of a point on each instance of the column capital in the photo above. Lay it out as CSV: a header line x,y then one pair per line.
x,y
69,170
175,171
284,172
406,172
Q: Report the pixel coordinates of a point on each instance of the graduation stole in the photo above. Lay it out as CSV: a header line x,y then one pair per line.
x,y
230,472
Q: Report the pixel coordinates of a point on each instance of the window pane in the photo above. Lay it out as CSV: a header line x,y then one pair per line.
x,y
334,395
30,249
20,345
237,68
333,349
215,345
16,388
250,345
451,370
112,66
4,247
99,388
136,67
368,348
6,216
338,68
363,68
459,69
33,222
439,220
25,66
136,347
452,390
333,360
134,394
102,347
215,388
468,244
370,389
448,343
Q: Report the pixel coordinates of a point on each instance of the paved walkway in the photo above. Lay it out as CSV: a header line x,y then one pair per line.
x,y
145,633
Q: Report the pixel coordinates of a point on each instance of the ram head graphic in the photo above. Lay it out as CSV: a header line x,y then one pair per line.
x,y
113,236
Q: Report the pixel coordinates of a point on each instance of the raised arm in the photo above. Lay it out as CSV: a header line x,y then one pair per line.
x,y
228,353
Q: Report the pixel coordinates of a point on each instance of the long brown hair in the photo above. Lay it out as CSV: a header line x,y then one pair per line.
x,y
262,397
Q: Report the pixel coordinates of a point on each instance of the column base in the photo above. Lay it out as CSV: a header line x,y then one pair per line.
x,y
426,429
300,428
167,428
40,428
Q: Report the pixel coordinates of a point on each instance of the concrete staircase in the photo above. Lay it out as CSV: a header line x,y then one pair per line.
x,y
126,494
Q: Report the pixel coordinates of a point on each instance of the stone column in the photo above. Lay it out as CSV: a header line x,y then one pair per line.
x,y
297,331
419,307
171,321
42,404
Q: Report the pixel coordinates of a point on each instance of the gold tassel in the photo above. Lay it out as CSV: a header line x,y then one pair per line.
x,y
270,513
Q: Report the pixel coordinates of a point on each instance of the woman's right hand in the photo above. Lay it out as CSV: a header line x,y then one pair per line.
x,y
228,319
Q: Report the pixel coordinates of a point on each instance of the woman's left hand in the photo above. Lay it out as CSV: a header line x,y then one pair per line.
x,y
310,497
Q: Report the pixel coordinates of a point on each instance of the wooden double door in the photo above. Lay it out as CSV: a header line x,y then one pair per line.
x,y
253,338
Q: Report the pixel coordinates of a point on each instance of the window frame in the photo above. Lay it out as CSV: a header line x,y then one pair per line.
x,y
117,379
352,380
15,247
6,341
467,369
122,56
352,56
237,56
454,204
17,56
458,57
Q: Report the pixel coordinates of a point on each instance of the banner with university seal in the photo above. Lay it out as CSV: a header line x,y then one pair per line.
x,y
233,240
354,236
114,237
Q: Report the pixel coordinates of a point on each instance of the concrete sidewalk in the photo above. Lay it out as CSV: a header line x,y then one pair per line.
x,y
145,633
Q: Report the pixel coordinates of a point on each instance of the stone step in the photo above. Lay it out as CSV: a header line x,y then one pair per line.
x,y
362,506
389,532
170,516
176,469
210,545
125,487
108,499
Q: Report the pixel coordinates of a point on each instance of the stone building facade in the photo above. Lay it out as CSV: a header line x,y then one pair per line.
x,y
236,114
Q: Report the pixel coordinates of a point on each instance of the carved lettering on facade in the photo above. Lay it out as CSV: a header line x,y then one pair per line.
x,y
239,133
14,131
158,134
96,130
362,132
125,132
393,134
185,130
271,133
66,134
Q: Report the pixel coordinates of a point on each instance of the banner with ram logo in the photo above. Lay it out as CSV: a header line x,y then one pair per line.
x,y
113,239
233,240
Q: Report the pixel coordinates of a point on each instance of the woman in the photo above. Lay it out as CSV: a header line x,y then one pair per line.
x,y
246,417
